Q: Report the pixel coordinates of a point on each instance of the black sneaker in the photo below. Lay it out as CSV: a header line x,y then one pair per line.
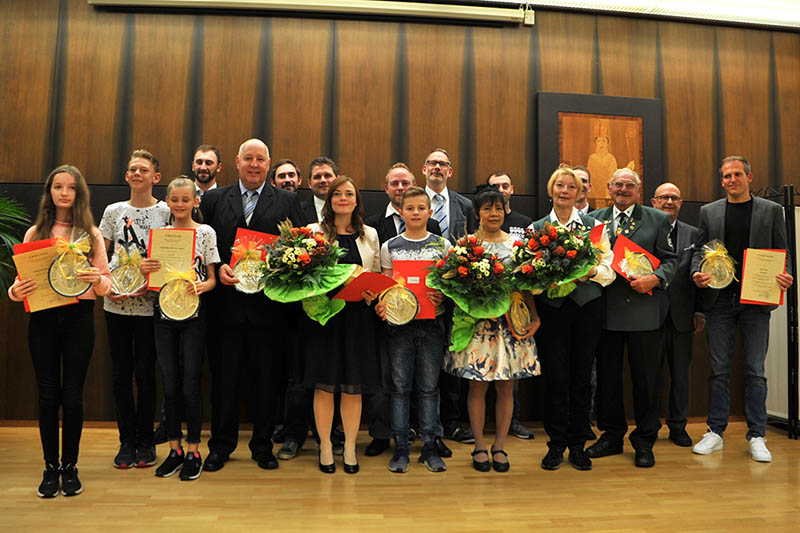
x,y
145,456
49,486
171,464
192,467
126,456
70,484
459,434
579,459
553,459
160,434
518,430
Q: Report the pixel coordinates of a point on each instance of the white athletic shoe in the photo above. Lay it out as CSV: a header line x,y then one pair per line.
x,y
759,451
711,442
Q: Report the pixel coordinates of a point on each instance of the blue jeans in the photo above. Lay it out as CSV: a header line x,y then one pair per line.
x,y
752,321
416,351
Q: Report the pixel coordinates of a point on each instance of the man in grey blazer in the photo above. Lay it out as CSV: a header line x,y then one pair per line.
x,y
740,221
455,216
681,312
632,318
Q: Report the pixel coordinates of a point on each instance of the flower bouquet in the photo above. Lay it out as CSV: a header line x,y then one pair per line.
x,y
552,259
300,265
476,280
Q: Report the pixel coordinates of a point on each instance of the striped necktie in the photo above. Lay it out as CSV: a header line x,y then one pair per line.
x,y
440,213
621,222
250,201
402,227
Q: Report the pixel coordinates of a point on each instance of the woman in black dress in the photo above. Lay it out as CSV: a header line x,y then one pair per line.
x,y
342,355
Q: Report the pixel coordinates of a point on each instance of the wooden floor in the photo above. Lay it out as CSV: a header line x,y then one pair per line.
x,y
684,492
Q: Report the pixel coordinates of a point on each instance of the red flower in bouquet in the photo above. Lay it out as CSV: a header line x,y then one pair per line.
x,y
477,251
533,244
498,268
572,253
463,271
559,250
440,263
304,258
527,269
544,240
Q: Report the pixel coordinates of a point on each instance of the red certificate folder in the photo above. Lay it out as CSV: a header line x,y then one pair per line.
x,y
414,274
624,244
366,281
32,246
261,239
744,265
596,235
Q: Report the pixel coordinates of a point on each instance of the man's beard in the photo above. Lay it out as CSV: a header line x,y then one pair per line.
x,y
202,178
288,186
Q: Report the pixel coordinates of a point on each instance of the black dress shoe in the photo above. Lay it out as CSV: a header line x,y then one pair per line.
x,y
680,437
579,459
351,469
553,459
481,466
375,448
214,462
265,459
603,448
498,466
326,469
441,448
644,458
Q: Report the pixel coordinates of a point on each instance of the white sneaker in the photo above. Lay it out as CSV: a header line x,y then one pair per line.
x,y
711,442
759,451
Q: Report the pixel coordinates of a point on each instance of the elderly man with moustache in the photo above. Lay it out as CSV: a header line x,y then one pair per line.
x,y
682,312
632,319
244,321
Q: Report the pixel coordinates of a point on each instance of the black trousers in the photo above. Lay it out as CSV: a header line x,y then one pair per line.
x,y
645,357
567,342
244,350
180,347
133,354
61,341
678,352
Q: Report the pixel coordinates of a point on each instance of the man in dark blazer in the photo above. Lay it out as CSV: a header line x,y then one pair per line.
x,y
321,173
455,216
632,319
247,324
582,202
740,221
681,312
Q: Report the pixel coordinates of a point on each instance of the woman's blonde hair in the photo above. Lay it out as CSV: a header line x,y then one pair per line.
x,y
562,170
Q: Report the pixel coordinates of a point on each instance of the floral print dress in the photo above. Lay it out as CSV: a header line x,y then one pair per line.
x,y
494,354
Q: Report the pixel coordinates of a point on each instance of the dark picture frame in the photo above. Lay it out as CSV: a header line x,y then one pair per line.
x,y
552,108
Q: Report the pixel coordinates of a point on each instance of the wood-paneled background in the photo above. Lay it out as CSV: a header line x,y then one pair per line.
x,y
85,86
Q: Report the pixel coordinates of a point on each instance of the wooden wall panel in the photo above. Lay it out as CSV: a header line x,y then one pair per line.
x,y
787,64
687,55
301,50
566,44
744,89
27,45
366,56
501,84
435,59
627,56
92,57
159,82
231,59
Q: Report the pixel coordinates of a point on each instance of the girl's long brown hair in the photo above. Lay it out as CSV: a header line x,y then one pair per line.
x,y
329,217
81,213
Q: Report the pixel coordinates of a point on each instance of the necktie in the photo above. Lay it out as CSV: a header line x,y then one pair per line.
x,y
620,223
673,237
440,213
402,227
250,200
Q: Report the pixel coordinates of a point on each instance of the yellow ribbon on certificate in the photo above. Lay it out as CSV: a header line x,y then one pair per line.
x,y
75,250
133,258
174,274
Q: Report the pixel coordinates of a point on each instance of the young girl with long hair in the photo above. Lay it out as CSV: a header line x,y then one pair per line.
x,y
180,344
61,339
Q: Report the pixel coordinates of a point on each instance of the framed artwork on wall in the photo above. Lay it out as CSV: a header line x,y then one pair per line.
x,y
601,133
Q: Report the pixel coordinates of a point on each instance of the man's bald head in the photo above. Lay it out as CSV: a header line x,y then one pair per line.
x,y
252,162
667,198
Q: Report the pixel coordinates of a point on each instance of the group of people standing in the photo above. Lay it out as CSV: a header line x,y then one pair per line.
x,y
300,371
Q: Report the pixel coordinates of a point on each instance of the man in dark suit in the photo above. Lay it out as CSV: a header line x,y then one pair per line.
x,y
248,324
681,312
740,221
321,173
582,202
455,216
632,319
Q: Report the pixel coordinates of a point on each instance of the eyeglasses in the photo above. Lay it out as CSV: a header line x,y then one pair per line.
x,y
668,198
443,164
629,185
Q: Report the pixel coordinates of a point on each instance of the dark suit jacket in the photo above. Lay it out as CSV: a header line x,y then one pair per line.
x,y
683,299
386,228
222,210
767,230
461,214
626,309
309,212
